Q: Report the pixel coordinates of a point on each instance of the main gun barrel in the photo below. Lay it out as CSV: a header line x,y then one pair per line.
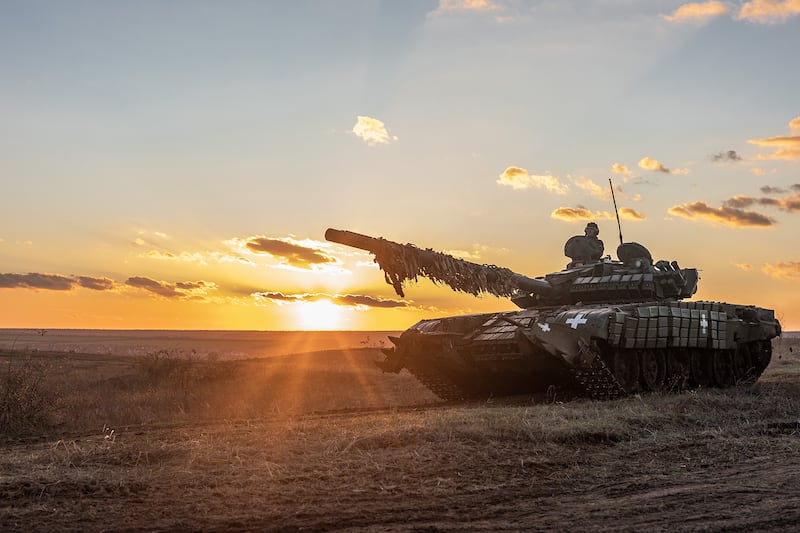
x,y
352,239
402,262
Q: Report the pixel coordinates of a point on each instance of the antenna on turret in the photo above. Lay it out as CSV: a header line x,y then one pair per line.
x,y
616,212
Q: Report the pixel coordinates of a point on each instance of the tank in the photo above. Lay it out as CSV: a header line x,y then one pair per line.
x,y
600,328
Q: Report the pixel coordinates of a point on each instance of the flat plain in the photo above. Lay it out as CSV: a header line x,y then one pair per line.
x,y
324,441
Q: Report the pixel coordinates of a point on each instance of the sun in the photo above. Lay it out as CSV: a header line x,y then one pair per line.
x,y
322,314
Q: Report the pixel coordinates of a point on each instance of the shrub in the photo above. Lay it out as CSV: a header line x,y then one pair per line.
x,y
26,402
185,376
164,366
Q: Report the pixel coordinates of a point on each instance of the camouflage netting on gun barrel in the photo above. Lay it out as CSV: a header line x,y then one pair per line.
x,y
403,262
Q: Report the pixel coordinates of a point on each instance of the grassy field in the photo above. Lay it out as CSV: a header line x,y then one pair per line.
x,y
325,441
221,344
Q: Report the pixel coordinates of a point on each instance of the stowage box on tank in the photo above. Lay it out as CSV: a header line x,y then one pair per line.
x,y
602,328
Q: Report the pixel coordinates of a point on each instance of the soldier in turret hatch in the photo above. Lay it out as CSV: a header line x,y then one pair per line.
x,y
585,248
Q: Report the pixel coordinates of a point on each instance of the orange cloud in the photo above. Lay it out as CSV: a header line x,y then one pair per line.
x,y
785,270
757,171
33,280
741,201
54,282
574,214
518,178
195,290
287,251
789,204
201,258
769,11
651,164
350,300
467,5
744,266
629,214
96,284
617,168
785,147
372,131
725,215
697,11
163,256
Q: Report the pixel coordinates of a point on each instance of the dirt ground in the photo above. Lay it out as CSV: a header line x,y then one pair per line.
x,y
710,460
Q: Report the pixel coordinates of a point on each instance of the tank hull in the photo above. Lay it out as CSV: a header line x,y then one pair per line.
x,y
600,351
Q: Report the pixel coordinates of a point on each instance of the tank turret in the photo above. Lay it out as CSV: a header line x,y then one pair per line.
x,y
601,328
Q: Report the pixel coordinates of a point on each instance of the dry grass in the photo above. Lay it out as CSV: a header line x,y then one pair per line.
x,y
79,393
709,459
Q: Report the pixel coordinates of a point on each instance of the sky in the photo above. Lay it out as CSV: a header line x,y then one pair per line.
x,y
175,164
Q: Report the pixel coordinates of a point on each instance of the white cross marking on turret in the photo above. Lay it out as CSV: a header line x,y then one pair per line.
x,y
544,327
575,321
703,324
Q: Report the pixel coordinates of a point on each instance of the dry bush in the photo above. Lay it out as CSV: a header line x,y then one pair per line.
x,y
27,403
163,387
185,375
185,370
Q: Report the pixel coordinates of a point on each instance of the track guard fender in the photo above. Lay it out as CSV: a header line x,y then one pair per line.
x,y
562,342
420,347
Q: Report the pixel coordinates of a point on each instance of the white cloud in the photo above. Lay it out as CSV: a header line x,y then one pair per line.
x,y
604,193
651,164
518,178
372,131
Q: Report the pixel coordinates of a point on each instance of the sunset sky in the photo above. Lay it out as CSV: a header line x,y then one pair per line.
x,y
175,164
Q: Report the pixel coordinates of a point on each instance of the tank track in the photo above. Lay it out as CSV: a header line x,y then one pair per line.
x,y
747,363
597,382
438,383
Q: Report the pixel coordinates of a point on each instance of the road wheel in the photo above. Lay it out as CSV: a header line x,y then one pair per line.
x,y
652,370
700,368
677,370
722,368
625,368
743,368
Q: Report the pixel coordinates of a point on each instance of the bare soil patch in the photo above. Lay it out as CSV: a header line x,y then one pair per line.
x,y
324,441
